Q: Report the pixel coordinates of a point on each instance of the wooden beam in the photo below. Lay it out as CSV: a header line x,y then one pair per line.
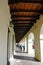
x,y
25,1
22,26
23,23
16,10
17,16
23,20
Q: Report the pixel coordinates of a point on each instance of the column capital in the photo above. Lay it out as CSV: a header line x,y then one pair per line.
x,y
11,27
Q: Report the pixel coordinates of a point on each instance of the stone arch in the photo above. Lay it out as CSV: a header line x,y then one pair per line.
x,y
31,35
31,44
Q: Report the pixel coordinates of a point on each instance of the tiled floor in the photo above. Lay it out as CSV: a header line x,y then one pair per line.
x,y
23,62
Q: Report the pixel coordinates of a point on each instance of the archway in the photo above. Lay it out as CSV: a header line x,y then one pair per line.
x,y
31,50
41,42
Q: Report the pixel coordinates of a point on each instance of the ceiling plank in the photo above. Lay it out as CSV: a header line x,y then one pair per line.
x,y
17,16
25,14
25,1
24,20
16,10
25,6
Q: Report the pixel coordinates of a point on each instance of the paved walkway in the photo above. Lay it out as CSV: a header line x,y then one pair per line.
x,y
25,58
23,54
23,62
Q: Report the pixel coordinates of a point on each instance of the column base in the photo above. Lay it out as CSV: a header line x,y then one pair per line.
x,y
8,63
37,60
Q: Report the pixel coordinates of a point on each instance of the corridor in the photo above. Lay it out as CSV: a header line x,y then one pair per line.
x,y
21,25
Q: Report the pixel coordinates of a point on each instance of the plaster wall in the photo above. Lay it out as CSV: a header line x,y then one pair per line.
x,y
4,23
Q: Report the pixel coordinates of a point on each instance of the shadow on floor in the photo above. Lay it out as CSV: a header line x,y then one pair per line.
x,y
25,58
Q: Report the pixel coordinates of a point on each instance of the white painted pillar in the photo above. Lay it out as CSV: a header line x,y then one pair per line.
x,y
26,44
10,46
41,46
14,42
10,43
37,45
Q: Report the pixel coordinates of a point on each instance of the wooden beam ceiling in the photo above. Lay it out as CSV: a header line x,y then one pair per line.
x,y
24,14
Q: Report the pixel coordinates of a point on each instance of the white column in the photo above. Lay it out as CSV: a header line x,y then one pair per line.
x,y
14,42
10,43
37,45
26,44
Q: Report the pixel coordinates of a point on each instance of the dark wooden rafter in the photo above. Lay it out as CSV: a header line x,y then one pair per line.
x,y
34,14
24,19
31,16
18,16
26,6
26,24
25,1
38,11
23,27
23,22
